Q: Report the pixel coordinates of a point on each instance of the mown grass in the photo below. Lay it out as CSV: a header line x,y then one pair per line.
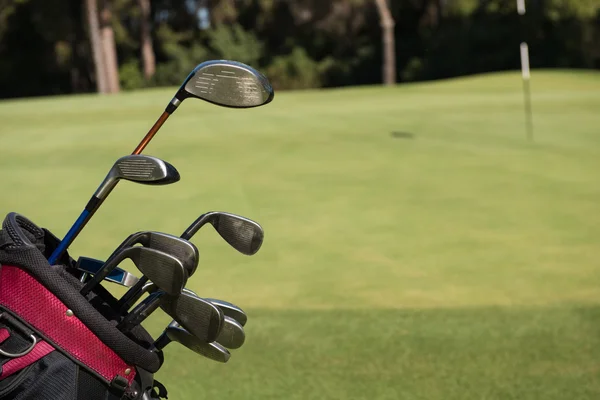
x,y
417,246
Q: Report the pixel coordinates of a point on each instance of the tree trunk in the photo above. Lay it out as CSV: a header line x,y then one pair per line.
x,y
109,48
146,40
96,44
388,42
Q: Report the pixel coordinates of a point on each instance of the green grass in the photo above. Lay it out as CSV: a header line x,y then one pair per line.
x,y
459,263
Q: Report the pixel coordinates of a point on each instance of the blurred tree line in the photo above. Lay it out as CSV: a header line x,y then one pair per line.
x,y
72,46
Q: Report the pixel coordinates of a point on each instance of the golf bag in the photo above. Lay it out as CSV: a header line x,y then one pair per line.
x,y
56,344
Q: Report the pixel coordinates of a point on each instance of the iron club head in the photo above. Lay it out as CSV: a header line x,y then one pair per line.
x,y
165,270
184,250
243,234
200,317
176,333
229,309
232,335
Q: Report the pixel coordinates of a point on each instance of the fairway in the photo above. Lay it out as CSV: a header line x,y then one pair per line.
x,y
417,246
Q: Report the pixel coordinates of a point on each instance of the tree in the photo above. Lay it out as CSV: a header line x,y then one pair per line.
x,y
148,59
109,48
96,44
388,42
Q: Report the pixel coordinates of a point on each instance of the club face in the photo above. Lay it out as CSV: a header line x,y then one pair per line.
x,y
182,249
243,234
232,335
163,269
230,310
92,266
198,316
228,84
140,168
213,351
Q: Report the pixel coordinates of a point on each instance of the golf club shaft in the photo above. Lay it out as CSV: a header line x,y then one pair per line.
x,y
132,295
160,343
79,224
140,312
157,125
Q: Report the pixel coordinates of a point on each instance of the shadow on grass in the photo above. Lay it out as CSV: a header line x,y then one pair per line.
x,y
492,353
402,135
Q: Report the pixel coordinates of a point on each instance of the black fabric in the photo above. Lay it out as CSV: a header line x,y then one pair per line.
x,y
53,377
89,388
103,301
57,376
32,259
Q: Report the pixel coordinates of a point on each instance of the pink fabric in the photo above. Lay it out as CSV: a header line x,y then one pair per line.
x,y
4,334
40,350
28,298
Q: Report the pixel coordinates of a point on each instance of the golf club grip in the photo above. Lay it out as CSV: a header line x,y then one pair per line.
x,y
161,120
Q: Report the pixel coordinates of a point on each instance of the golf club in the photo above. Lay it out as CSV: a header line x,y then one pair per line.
x,y
200,317
243,234
165,270
90,266
175,333
136,168
180,248
229,310
232,335
220,82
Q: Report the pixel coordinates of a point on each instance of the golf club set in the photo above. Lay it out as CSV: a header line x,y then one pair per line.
x,y
63,335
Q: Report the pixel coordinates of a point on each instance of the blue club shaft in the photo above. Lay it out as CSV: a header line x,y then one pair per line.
x,y
70,236
83,219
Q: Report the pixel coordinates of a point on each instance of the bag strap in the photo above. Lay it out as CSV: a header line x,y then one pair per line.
x,y
59,324
39,350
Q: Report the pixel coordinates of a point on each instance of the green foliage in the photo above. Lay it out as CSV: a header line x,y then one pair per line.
x,y
294,71
130,75
181,56
232,42
581,9
8,8
413,69
461,7
302,44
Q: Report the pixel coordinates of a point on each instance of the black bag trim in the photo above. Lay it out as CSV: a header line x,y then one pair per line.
x,y
30,259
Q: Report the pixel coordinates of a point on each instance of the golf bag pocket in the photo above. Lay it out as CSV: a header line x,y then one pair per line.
x,y
54,343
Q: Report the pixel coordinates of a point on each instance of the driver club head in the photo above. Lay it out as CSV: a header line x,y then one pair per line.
x,y
226,83
243,234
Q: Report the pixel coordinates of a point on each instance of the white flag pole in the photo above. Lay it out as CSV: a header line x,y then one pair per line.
x,y
525,73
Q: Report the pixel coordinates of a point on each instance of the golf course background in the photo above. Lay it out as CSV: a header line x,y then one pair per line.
x,y
417,245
